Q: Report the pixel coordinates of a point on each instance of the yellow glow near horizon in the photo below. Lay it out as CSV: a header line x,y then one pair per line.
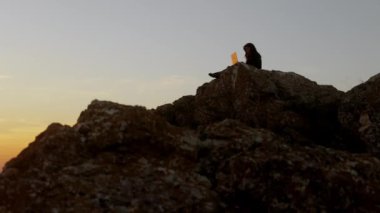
x,y
17,135
12,143
28,110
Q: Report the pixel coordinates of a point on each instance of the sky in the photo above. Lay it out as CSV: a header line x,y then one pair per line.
x,y
56,56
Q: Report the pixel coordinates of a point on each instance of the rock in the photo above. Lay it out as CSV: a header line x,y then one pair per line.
x,y
56,147
249,141
106,125
180,113
359,113
228,138
283,178
116,158
256,170
286,103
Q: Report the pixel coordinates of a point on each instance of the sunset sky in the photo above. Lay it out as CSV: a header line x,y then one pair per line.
x,y
58,55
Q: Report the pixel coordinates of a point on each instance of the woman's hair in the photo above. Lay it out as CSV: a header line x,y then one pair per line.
x,y
251,46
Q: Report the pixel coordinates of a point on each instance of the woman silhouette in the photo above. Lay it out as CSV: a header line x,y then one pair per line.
x,y
252,58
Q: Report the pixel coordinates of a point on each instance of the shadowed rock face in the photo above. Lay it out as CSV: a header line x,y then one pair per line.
x,y
359,113
286,103
250,141
290,105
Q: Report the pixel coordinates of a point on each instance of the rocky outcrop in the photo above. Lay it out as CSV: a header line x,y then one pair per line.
x,y
287,103
359,113
133,160
249,141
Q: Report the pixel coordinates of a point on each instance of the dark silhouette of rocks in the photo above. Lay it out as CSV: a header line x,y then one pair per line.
x,y
250,141
359,113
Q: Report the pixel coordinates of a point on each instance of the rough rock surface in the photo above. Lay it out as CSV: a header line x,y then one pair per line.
x,y
360,113
250,141
287,103
180,113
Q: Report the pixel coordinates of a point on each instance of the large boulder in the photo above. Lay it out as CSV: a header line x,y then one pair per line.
x,y
255,170
283,102
359,113
278,177
115,159
106,125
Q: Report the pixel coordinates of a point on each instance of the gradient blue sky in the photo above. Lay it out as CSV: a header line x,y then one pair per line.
x,y
58,55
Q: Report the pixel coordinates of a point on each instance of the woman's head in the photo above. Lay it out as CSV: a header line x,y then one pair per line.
x,y
249,48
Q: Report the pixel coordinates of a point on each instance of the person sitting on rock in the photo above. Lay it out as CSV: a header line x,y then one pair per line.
x,y
252,58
